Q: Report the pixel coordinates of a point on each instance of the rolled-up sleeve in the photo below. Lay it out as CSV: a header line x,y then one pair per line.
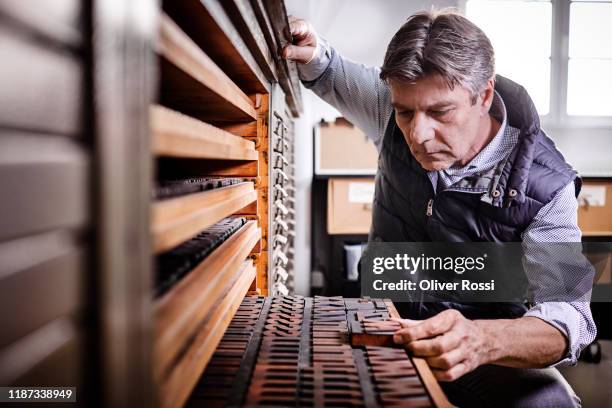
x,y
556,223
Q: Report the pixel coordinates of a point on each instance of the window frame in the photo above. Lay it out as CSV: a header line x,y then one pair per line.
x,y
557,116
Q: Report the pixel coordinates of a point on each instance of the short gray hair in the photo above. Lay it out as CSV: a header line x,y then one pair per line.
x,y
441,42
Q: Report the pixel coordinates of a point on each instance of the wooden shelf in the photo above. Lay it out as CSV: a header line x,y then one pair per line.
x,y
177,219
178,135
176,389
180,313
210,27
193,83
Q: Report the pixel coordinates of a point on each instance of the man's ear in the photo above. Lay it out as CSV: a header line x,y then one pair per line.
x,y
486,97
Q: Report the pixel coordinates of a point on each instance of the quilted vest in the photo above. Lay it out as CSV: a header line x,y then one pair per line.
x,y
496,206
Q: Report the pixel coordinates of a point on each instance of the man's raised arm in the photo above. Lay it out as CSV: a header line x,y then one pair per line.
x,y
354,89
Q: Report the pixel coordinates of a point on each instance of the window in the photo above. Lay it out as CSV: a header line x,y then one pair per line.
x,y
560,51
589,82
511,25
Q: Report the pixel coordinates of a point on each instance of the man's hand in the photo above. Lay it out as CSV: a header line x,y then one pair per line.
x,y
304,45
451,344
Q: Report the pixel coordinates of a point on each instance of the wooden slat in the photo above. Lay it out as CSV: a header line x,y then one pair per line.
x,y
22,356
431,384
210,28
180,311
182,168
65,367
124,84
42,88
272,18
193,83
45,184
261,261
57,20
242,129
29,267
177,219
263,181
244,19
178,135
177,388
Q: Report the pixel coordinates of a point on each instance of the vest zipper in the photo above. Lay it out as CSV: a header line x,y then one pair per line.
x,y
429,207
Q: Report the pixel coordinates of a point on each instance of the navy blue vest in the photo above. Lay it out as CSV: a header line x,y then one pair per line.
x,y
493,207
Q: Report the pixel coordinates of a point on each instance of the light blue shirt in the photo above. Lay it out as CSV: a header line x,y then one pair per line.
x,y
364,99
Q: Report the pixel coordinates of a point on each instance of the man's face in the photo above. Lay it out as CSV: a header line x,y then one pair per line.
x,y
441,126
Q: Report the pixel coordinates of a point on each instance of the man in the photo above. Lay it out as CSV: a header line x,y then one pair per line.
x,y
461,158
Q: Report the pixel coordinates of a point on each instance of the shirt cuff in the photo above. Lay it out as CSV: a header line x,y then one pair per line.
x,y
573,324
318,64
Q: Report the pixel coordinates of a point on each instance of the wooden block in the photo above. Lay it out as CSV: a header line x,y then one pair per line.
x,y
193,83
373,333
420,364
177,219
179,312
178,135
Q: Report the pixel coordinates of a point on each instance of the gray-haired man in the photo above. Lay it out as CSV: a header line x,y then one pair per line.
x,y
462,158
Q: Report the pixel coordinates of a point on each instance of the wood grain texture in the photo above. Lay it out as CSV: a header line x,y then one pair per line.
x,y
29,267
58,20
192,82
210,28
23,356
177,219
42,87
435,391
178,135
180,311
244,19
274,18
169,167
48,182
176,388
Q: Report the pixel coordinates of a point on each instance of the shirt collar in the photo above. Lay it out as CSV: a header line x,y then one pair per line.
x,y
488,155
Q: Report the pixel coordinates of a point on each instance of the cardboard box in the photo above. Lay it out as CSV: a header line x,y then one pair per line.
x,y
341,148
602,262
595,211
349,205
